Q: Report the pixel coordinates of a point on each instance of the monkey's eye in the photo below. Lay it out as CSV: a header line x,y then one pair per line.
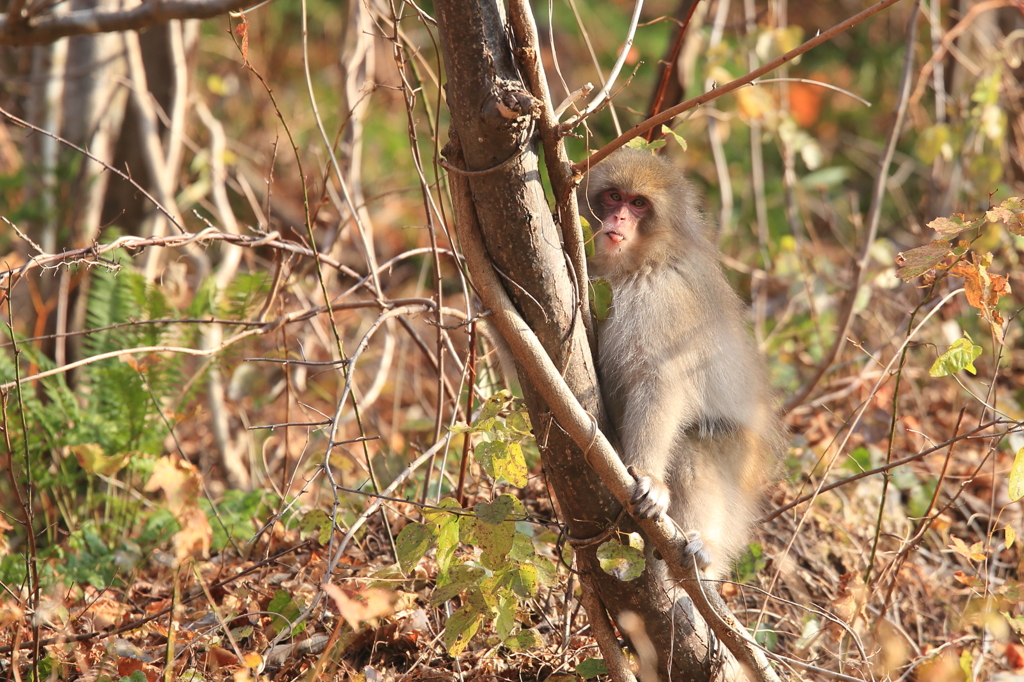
x,y
615,196
639,202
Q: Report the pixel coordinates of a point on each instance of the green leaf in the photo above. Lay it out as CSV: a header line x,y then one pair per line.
x,y
386,577
916,262
588,237
832,176
750,563
1010,536
933,142
547,572
495,512
1017,477
439,516
625,562
412,543
136,676
522,548
858,460
316,521
494,405
600,299
523,640
519,421
525,580
665,130
460,628
287,610
591,668
453,589
447,541
645,146
921,498
1015,622
506,620
960,355
463,576
503,461
495,541
769,639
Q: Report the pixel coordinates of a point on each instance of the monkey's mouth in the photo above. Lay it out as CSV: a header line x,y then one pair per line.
x,y
615,236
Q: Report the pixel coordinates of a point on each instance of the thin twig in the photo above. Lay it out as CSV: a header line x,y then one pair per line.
x,y
134,625
874,217
92,157
811,81
668,65
595,158
877,470
602,94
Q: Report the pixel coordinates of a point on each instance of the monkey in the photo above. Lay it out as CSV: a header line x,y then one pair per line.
x,y
686,388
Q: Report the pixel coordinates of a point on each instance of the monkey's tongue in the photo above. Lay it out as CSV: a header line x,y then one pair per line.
x,y
615,236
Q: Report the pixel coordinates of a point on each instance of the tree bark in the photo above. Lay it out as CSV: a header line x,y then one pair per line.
x,y
493,121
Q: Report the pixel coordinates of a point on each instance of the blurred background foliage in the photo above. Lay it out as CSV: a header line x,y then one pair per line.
x,y
238,438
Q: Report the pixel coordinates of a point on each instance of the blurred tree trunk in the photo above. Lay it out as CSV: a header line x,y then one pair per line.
x,y
493,132
80,90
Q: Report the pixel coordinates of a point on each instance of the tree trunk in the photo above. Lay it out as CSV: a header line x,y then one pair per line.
x,y
492,137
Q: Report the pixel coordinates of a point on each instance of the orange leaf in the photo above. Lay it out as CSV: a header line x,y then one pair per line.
x,y
965,579
126,666
1015,656
805,103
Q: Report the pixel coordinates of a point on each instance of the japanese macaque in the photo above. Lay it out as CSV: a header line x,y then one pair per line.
x,y
685,386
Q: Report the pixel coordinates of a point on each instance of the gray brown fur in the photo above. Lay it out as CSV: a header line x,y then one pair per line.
x,y
685,385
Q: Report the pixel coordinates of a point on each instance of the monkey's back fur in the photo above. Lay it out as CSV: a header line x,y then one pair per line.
x,y
685,385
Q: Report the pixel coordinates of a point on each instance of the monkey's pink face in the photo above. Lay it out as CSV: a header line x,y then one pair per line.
x,y
621,213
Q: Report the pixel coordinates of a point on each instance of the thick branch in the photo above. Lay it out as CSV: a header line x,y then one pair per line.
x,y
46,28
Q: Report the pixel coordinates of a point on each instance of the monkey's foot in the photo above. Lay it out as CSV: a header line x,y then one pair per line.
x,y
696,549
650,496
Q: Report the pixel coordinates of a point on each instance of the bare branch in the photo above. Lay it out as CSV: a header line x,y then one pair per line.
x,y
667,115
40,30
874,216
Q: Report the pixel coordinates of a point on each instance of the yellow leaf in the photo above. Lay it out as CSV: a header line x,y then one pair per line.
x,y
93,460
960,547
1016,486
755,102
253,661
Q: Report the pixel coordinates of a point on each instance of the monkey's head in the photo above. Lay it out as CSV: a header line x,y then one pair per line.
x,y
643,212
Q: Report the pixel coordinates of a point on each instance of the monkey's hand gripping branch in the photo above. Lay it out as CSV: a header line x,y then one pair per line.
x,y
580,425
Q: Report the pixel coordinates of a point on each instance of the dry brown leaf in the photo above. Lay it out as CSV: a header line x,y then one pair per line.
x,y
357,607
